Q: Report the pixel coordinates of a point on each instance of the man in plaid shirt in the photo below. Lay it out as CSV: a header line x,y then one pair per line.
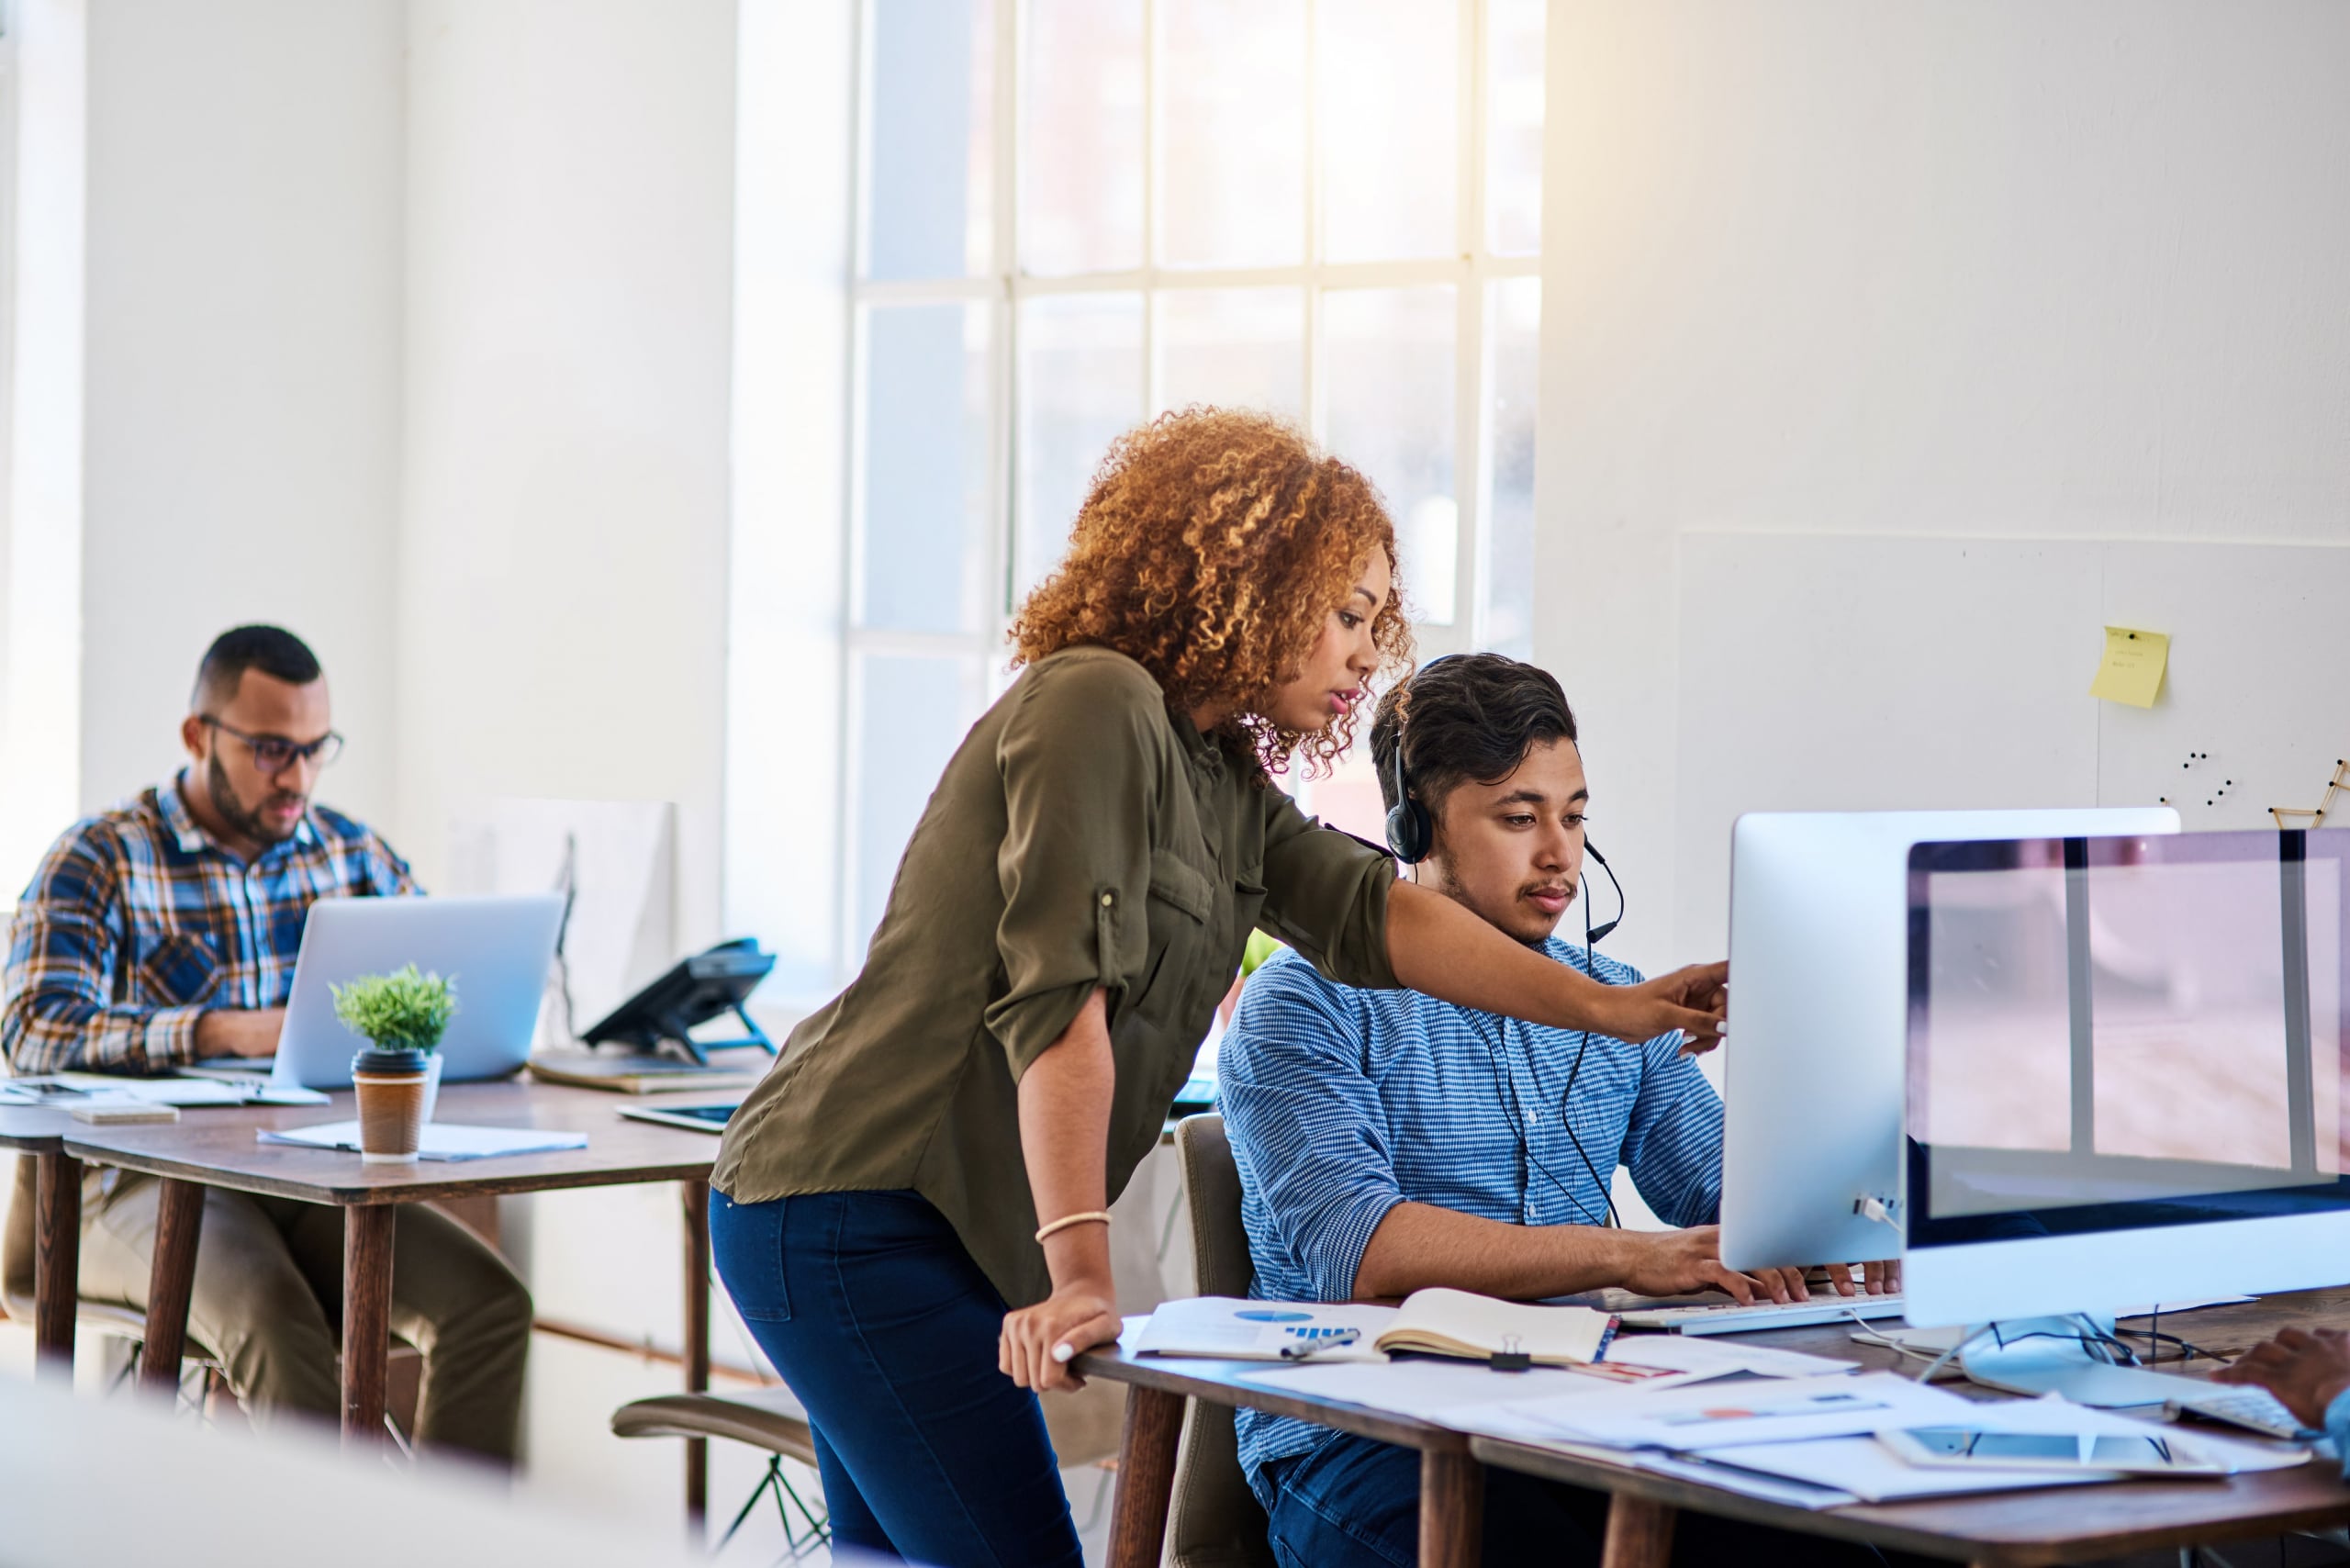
x,y
163,932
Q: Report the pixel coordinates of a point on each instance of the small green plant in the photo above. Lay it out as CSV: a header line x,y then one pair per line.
x,y
399,1012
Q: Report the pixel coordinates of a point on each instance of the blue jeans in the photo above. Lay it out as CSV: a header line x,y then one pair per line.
x,y
1355,1503
885,1329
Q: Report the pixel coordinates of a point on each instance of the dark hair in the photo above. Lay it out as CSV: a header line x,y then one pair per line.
x,y
1473,716
272,650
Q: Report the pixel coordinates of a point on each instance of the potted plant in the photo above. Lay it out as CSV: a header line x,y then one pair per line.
x,y
402,1016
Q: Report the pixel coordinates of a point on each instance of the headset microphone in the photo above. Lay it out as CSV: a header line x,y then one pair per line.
x,y
1592,934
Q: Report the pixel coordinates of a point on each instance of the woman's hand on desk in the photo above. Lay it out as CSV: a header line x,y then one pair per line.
x,y
2306,1371
1039,1342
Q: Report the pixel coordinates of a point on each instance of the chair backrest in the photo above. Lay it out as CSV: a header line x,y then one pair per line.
x,y
1216,1522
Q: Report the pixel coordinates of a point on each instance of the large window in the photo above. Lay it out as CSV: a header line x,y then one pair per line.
x,y
1072,214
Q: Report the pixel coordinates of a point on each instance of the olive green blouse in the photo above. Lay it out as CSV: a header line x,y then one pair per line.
x,y
1083,836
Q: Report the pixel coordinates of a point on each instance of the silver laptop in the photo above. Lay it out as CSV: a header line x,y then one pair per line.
x,y
496,949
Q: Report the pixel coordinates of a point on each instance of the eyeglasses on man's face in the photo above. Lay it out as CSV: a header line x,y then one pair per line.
x,y
273,755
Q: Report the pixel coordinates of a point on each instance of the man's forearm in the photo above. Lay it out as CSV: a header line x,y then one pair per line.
x,y
1420,1244
43,1035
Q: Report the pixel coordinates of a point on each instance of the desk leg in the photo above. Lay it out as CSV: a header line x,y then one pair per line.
x,y
1452,1510
1145,1477
171,1281
57,1260
1639,1534
697,1205
366,1319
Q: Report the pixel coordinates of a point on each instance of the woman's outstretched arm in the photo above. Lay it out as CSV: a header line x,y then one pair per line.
x,y
1436,946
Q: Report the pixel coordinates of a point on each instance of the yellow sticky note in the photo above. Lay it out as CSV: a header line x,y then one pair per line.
x,y
2131,670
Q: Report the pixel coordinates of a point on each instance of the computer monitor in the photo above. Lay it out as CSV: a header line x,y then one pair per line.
x,y
2125,1071
1813,1065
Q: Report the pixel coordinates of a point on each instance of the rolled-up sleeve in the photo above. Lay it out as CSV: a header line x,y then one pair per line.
x,y
1305,1124
1079,756
1326,894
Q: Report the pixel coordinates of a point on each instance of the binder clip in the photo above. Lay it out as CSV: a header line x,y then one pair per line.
x,y
1509,1358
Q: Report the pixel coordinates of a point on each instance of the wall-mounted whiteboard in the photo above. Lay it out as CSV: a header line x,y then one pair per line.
x,y
1857,673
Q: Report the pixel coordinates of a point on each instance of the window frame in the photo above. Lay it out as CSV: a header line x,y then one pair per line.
x,y
1471,270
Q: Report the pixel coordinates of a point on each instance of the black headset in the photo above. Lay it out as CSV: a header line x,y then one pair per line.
x,y
1410,831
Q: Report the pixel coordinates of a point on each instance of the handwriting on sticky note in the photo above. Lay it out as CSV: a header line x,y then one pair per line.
x,y
2131,670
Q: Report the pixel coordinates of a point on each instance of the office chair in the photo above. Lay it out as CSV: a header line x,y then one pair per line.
x,y
1215,1521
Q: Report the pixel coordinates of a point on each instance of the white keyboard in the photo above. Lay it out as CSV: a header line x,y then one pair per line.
x,y
2254,1409
1729,1317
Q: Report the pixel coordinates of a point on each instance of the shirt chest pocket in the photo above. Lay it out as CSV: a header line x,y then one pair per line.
x,y
1183,910
178,969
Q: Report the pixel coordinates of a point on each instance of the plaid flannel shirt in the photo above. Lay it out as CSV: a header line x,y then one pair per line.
x,y
138,923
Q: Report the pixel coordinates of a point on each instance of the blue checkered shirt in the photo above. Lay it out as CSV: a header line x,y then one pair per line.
x,y
138,923
1342,1104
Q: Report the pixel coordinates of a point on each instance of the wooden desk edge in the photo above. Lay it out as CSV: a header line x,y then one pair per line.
x,y
340,1194
1895,1525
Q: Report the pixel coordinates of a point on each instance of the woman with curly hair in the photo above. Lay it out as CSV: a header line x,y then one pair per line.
x,y
911,1210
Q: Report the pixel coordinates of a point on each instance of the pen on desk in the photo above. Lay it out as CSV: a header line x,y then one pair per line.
x,y
1329,1341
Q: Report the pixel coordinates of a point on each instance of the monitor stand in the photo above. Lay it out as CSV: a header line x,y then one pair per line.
x,y
2045,1355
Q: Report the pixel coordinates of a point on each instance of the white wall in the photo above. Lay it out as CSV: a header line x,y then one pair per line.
x,y
241,382
562,576
1967,268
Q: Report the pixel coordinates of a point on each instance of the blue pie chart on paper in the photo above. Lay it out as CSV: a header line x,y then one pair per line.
x,y
1270,1316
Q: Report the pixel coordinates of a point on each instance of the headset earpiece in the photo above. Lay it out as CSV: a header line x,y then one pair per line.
x,y
1408,828
1411,831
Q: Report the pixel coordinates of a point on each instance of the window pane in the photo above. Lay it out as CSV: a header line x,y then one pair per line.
x,y
1082,112
1388,92
1514,125
923,548
911,712
1514,319
1387,369
1240,348
931,136
1081,386
1232,133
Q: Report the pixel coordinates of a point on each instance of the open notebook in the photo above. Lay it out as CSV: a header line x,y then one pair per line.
x,y
1478,1327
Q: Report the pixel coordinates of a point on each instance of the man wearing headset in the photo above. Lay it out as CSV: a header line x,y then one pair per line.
x,y
1388,1142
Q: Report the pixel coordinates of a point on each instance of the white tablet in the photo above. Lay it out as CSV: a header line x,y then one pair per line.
x,y
2113,1453
709,1119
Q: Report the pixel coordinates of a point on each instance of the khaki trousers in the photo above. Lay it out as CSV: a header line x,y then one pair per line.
x,y
268,1305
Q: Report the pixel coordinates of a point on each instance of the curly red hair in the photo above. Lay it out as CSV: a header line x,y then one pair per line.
x,y
1211,547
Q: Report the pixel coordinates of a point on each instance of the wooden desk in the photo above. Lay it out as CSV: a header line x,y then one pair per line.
x,y
40,1133
212,1147
2064,1525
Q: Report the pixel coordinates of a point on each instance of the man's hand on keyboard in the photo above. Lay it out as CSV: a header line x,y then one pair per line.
x,y
1681,1263
1876,1279
2306,1371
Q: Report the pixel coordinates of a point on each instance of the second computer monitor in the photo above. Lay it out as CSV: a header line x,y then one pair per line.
x,y
1813,1065
2125,1071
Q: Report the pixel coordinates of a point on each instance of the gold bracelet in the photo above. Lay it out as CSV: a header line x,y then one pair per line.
x,y
1089,1217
